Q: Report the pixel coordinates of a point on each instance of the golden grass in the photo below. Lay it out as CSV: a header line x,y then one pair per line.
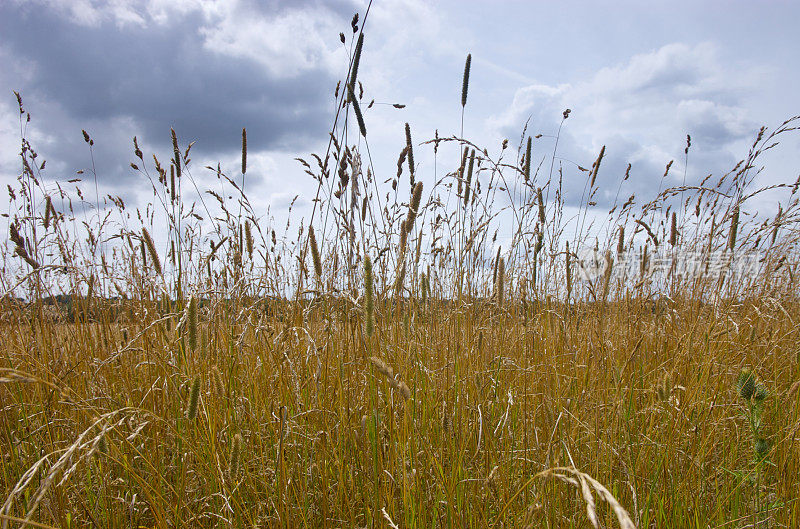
x,y
418,374
561,390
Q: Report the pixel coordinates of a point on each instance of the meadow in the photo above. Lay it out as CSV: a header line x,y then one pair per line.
x,y
385,362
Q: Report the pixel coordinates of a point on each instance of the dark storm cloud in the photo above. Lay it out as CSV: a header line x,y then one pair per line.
x,y
153,78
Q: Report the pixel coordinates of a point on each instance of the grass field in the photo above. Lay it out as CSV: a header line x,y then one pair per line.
x,y
387,363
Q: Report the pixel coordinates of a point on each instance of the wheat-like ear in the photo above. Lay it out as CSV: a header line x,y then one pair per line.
x,y
388,519
315,252
382,367
387,371
527,171
404,231
356,59
142,247
217,383
586,484
151,249
501,277
176,152
403,390
468,182
609,266
542,211
244,150
734,228
596,166
401,276
172,188
673,231
643,262
568,260
357,109
191,323
465,82
248,238
461,169
410,154
777,224
649,231
236,454
194,399
48,204
413,207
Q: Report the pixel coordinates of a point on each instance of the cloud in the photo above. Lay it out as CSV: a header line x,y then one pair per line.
x,y
286,38
284,42
714,123
210,67
119,69
641,110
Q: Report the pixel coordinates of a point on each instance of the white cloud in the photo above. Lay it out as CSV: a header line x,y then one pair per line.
x,y
285,42
711,121
642,110
675,67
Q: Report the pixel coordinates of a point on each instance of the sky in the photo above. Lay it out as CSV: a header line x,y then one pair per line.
x,y
637,77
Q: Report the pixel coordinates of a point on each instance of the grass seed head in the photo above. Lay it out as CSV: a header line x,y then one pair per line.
x,y
403,390
465,81
236,454
410,154
356,60
194,399
413,207
734,228
596,166
357,109
527,168
151,250
176,153
244,150
191,323
382,367
248,237
315,252
500,283
468,182
217,381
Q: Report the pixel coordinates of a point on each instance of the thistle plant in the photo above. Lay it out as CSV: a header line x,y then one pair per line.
x,y
754,393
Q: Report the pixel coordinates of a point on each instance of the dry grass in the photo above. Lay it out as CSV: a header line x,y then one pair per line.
x,y
409,372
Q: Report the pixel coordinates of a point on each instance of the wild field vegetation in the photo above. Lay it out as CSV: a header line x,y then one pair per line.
x,y
388,362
